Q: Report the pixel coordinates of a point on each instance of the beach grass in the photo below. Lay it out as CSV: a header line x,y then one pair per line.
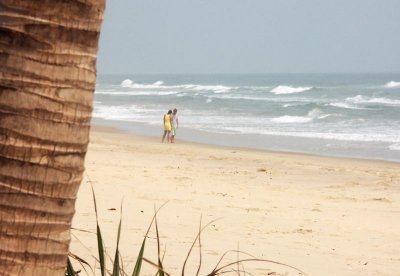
x,y
234,267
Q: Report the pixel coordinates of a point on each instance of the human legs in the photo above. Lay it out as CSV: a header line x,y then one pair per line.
x,y
165,134
169,136
173,134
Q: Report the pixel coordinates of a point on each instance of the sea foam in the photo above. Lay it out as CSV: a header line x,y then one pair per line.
x,y
214,88
356,137
346,106
392,84
359,99
394,147
291,119
126,83
138,93
127,113
160,85
283,89
131,84
313,114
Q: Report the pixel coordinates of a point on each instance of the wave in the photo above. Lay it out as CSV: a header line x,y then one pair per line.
x,y
308,126
215,88
359,99
120,113
183,94
355,137
394,147
346,106
257,88
313,114
243,97
126,83
130,84
283,89
137,93
344,136
128,113
392,84
160,85
295,104
286,101
291,119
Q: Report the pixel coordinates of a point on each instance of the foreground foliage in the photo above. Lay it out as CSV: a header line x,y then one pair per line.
x,y
235,267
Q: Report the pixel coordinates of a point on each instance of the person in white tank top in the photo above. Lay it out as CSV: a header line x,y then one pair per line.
x,y
175,124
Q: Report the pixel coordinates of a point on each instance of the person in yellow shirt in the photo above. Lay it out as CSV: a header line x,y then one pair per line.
x,y
167,126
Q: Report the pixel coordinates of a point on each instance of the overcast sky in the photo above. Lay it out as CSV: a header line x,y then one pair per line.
x,y
250,36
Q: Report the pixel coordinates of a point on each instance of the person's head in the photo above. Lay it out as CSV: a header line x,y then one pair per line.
x,y
169,111
175,111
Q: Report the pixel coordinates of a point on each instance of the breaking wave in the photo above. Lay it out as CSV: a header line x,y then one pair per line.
x,y
394,147
128,113
368,100
364,137
313,114
214,88
138,93
160,85
392,84
130,84
283,89
292,119
346,106
294,104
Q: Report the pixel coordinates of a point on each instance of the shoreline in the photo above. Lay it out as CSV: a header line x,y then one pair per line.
x,y
150,133
325,216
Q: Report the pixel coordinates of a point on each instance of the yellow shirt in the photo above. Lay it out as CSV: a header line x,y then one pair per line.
x,y
167,122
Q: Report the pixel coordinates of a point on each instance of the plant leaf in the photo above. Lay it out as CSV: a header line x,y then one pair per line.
x,y
116,268
139,261
100,244
70,269
160,266
138,265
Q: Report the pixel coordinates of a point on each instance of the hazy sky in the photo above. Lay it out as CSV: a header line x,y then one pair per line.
x,y
250,36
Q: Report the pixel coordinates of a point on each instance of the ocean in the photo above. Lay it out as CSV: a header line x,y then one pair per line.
x,y
347,115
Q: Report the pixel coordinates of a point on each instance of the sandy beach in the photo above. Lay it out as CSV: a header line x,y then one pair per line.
x,y
325,216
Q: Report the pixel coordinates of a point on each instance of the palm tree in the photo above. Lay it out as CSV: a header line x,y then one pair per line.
x,y
47,75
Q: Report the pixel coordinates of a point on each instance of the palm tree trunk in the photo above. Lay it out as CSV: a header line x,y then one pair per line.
x,y
47,76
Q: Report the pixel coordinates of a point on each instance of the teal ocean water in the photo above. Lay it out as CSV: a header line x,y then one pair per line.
x,y
353,115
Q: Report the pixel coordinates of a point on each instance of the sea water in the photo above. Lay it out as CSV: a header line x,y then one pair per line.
x,y
351,115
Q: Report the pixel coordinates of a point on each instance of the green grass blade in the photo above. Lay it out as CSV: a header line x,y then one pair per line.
x,y
100,244
157,266
161,269
82,262
138,265
116,269
116,265
194,242
139,261
70,269
160,266
100,247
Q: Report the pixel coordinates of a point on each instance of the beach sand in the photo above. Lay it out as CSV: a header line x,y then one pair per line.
x,y
325,216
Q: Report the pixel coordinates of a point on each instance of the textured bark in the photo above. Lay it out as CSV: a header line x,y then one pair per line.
x,y
47,76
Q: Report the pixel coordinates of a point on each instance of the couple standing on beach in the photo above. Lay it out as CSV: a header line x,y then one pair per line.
x,y
171,123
